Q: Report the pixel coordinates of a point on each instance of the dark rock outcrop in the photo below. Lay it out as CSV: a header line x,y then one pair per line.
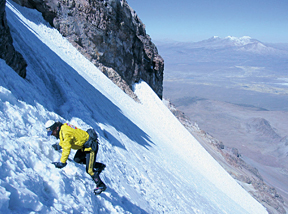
x,y
7,51
110,34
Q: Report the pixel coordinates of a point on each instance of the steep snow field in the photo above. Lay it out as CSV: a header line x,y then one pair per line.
x,y
153,164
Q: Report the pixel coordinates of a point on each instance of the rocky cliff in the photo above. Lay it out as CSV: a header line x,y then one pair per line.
x,y
7,50
110,34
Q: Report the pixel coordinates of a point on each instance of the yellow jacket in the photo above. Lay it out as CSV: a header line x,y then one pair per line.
x,y
71,138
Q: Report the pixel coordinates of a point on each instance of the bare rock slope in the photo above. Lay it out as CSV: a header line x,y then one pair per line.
x,y
111,35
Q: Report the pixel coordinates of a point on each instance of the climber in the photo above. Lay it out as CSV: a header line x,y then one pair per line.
x,y
86,144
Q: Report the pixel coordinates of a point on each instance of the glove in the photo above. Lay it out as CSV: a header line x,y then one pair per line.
x,y
56,146
59,164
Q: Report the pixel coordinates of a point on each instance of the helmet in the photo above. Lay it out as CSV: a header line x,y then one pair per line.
x,y
50,125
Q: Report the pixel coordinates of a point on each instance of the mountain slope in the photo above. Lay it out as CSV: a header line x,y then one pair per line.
x,y
153,164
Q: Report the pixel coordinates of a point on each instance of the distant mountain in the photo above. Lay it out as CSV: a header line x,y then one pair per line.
x,y
223,56
229,41
243,44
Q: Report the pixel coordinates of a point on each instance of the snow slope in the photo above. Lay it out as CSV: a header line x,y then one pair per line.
x,y
153,164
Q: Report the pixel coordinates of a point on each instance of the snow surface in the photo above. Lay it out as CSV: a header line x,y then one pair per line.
x,y
153,163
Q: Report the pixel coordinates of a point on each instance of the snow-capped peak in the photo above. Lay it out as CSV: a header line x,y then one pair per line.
x,y
245,40
231,43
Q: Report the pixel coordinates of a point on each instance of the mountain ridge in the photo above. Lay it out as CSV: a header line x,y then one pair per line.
x,y
240,44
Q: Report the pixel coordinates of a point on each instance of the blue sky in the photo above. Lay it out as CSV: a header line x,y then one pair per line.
x,y
195,20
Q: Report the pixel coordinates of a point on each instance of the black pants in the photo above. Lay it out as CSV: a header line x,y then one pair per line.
x,y
87,158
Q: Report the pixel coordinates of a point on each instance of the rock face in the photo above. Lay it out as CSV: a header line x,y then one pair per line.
x,y
110,34
7,50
